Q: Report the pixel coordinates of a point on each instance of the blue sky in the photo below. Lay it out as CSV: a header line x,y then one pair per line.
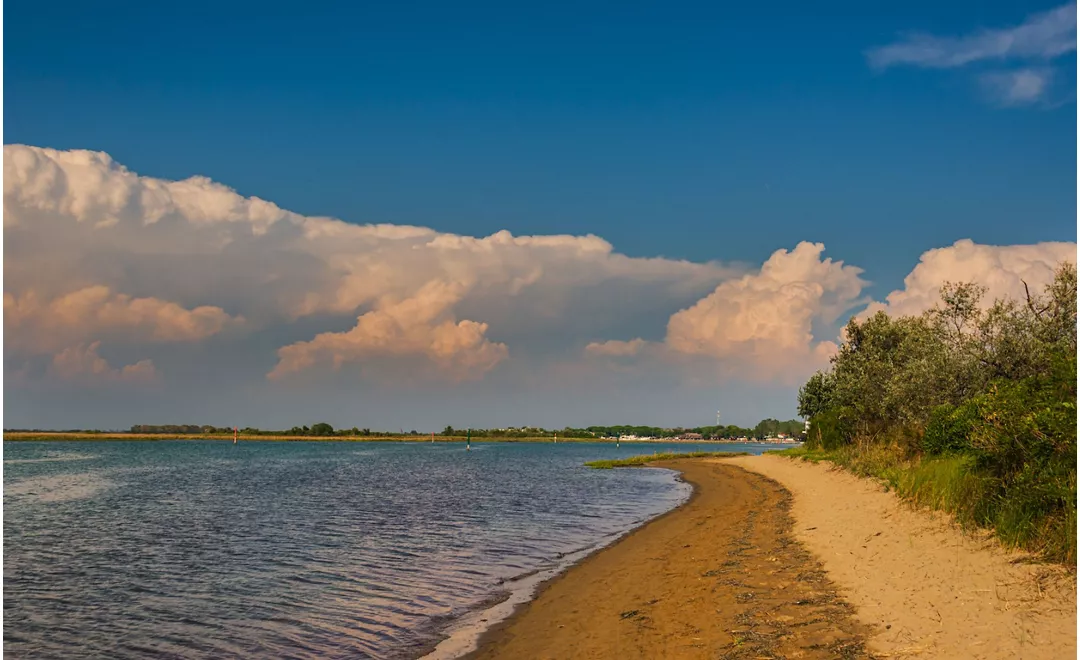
x,y
692,131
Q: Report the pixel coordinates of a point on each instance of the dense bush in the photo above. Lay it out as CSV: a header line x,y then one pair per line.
x,y
949,429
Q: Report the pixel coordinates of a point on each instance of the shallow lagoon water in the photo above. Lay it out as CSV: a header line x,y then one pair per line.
x,y
303,550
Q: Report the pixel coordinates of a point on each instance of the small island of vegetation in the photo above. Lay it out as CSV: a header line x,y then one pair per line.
x,y
645,459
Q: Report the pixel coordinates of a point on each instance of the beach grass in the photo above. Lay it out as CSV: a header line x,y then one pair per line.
x,y
645,459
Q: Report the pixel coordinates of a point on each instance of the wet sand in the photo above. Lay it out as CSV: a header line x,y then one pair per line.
x,y
720,577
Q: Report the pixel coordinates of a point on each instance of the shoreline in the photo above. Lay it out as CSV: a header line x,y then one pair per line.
x,y
914,586
696,581
466,635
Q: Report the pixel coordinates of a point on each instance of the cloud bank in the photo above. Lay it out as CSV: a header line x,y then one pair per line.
x,y
96,253
112,278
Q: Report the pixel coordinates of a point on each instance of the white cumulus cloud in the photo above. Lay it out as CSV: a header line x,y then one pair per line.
x,y
415,326
97,253
763,321
760,325
1002,269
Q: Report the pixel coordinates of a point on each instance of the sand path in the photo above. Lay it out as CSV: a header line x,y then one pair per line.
x,y
925,588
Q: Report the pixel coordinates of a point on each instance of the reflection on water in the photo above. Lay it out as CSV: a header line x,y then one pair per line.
x,y
305,550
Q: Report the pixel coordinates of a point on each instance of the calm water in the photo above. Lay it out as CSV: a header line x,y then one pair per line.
x,y
300,550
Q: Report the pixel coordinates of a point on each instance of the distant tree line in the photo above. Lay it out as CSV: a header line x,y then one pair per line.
x,y
317,429
178,429
765,428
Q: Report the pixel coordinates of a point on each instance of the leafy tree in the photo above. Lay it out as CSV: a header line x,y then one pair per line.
x,y
815,397
321,429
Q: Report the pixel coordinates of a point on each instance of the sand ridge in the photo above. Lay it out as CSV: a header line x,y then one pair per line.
x,y
925,588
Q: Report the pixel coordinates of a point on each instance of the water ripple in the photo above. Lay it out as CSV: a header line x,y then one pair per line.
x,y
208,550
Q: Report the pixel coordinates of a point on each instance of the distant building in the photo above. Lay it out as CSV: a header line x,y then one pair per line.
x,y
691,436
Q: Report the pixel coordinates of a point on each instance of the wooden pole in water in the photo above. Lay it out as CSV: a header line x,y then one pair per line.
x,y
433,437
468,440
235,433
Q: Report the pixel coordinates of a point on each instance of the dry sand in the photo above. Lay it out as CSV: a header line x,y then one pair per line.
x,y
785,559
923,586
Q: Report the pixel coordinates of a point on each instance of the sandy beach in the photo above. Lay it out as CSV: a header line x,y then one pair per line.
x,y
720,576
773,558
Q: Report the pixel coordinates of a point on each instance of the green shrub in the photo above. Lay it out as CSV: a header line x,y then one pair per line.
x,y
826,431
1026,444
950,428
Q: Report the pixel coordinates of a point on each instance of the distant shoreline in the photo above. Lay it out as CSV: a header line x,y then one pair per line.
x,y
43,436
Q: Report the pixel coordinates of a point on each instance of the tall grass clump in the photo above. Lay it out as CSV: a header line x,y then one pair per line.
x,y
968,408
